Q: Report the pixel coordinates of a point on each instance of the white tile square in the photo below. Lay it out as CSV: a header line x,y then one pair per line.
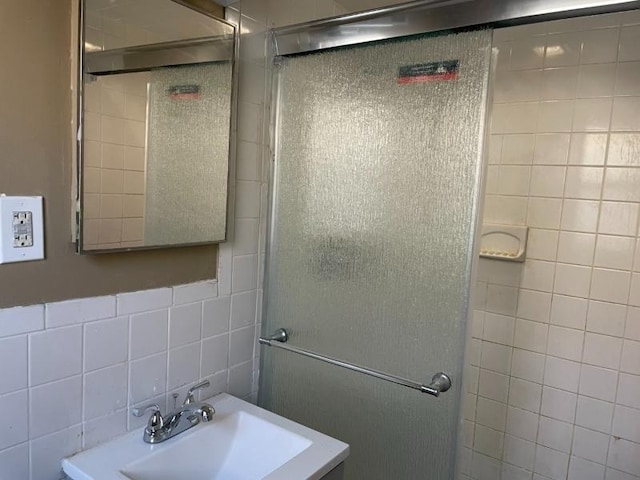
x,y
15,461
576,248
614,252
569,311
525,395
531,335
580,469
593,382
559,83
602,350
622,184
592,115
100,430
628,79
544,212
522,423
590,444
588,148
629,395
630,360
241,345
618,218
580,216
526,365
185,322
610,285
594,414
144,300
215,354
551,463
597,80
527,53
623,455
488,442
493,385
555,434
245,273
14,424
215,319
551,149
247,199
563,49
599,46
106,343
584,183
241,379
184,366
572,280
626,423
46,452
194,292
147,378
13,351
55,406
558,404
79,311
565,343
547,181
555,116
18,320
542,244
632,327
629,40
149,333
538,275
621,150
55,354
534,305
562,374
626,114
634,293
105,391
606,318
519,452
243,309
514,180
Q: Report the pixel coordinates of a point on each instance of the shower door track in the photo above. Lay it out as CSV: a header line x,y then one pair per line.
x,y
427,16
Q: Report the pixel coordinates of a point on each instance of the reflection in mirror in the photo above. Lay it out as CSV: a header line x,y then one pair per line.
x,y
156,125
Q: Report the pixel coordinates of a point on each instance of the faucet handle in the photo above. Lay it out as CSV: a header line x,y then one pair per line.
x,y
155,423
140,411
198,386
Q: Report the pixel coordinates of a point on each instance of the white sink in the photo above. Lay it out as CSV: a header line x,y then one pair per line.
x,y
242,442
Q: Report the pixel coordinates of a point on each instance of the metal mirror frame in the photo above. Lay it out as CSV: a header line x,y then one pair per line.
x,y
145,57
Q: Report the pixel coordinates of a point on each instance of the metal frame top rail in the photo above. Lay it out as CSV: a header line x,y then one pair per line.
x,y
440,382
426,16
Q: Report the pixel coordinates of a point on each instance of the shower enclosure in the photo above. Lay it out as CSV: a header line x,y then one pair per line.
x,y
378,129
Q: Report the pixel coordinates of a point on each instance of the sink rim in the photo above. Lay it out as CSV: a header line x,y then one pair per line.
x,y
105,461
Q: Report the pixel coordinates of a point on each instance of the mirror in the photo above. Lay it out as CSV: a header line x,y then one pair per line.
x,y
156,106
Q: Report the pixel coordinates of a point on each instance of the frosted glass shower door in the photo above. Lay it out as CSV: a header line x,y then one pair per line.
x,y
376,188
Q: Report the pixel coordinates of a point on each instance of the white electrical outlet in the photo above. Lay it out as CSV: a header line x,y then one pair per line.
x,y
21,229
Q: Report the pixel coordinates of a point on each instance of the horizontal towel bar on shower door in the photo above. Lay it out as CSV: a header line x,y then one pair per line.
x,y
439,383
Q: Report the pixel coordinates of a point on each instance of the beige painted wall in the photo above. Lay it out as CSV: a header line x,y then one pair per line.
x,y
36,159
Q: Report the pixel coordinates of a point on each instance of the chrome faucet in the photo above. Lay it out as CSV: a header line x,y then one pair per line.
x,y
160,428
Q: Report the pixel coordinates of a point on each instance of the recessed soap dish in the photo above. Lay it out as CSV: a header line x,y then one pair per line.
x,y
504,242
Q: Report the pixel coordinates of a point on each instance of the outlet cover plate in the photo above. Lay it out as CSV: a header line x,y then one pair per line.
x,y
21,229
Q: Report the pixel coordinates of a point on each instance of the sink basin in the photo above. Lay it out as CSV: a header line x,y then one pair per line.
x,y
242,442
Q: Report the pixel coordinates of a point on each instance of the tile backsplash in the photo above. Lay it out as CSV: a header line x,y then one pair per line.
x,y
72,370
554,370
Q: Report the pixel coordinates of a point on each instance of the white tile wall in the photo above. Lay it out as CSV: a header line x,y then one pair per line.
x,y
564,160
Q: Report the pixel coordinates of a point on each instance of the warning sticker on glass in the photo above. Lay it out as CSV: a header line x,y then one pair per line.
x,y
428,72
184,92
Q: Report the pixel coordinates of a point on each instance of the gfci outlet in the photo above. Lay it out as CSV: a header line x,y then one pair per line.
x,y
21,229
